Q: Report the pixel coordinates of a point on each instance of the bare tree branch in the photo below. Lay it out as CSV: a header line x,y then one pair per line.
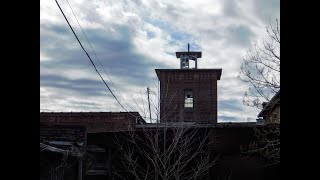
x,y
261,69
174,151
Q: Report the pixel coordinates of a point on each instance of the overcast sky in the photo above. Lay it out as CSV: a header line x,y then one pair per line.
x,y
131,38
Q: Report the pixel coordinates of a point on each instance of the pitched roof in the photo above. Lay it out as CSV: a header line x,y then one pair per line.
x,y
273,103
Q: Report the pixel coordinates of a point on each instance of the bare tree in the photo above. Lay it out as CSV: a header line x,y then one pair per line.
x,y
166,151
65,160
266,144
261,68
172,149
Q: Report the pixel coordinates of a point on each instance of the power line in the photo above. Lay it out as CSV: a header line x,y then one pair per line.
x,y
89,56
94,64
99,61
98,57
148,91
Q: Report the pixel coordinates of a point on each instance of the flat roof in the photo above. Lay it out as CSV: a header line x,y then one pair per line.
x,y
219,70
199,125
197,53
94,122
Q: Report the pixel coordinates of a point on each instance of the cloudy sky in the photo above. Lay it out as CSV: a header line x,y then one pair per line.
x,y
131,38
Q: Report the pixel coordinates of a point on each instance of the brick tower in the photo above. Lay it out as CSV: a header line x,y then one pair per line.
x,y
188,94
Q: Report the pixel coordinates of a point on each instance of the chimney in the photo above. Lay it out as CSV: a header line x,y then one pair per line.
x,y
264,104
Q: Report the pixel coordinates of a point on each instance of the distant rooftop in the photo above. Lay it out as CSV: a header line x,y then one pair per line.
x,y
198,125
94,122
269,106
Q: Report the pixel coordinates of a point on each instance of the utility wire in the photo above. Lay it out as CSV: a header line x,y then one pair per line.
x,y
98,58
95,66
89,57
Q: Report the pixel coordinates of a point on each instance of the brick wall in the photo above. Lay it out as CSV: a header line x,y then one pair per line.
x,y
203,83
94,122
274,116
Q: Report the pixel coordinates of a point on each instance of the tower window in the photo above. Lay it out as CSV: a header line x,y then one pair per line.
x,y
188,98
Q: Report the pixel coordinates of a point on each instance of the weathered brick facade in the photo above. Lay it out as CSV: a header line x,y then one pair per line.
x,y
274,116
94,122
202,82
271,110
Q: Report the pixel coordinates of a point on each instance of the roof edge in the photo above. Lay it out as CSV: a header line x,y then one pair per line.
x,y
199,70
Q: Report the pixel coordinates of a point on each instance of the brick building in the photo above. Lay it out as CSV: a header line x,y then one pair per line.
x,y
96,137
271,110
94,122
79,145
188,98
188,94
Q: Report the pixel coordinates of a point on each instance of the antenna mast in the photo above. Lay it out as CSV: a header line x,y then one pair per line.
x,y
186,56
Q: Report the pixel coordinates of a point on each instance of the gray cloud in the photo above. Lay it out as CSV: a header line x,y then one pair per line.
x,y
226,118
240,35
267,9
83,87
230,105
116,55
132,38
230,8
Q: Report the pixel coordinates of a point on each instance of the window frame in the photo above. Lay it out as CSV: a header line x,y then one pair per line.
x,y
188,101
